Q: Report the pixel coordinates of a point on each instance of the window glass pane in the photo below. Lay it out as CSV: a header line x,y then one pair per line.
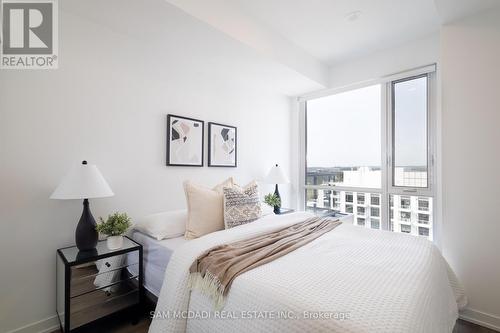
x,y
343,156
361,198
406,228
423,231
321,201
375,223
410,133
406,215
343,139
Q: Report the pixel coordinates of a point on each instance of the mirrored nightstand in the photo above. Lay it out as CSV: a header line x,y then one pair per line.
x,y
286,211
97,283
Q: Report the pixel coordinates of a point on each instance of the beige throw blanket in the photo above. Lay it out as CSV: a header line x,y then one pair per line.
x,y
213,272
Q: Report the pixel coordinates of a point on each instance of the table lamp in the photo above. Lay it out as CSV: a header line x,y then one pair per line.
x,y
84,181
276,176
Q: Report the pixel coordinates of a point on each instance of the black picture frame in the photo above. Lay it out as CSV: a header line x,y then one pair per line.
x,y
212,163
169,131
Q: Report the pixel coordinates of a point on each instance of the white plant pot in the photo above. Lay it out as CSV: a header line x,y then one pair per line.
x,y
114,242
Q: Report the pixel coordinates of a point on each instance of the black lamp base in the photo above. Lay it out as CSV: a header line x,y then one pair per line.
x,y
85,235
277,209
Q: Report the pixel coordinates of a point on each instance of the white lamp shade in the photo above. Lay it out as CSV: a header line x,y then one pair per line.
x,y
276,176
83,181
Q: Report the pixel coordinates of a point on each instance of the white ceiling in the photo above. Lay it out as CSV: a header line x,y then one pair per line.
x,y
310,36
322,29
320,26
303,37
159,27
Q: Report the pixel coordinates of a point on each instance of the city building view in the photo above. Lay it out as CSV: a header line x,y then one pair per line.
x,y
407,214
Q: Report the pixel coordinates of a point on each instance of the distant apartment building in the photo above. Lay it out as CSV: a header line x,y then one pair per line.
x,y
407,214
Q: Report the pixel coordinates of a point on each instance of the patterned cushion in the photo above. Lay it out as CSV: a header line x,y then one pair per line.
x,y
241,205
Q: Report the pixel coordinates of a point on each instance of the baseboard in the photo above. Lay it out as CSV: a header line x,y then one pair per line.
x,y
481,318
46,325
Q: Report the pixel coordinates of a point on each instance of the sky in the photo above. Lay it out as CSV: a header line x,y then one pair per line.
x,y
345,129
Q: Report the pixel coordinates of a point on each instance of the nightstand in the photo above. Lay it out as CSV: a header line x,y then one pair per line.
x,y
93,284
344,217
286,211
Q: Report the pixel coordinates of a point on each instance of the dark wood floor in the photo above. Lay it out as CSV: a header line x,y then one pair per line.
x,y
463,326
124,325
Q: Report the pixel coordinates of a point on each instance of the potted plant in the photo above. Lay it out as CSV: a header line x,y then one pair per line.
x,y
274,201
114,227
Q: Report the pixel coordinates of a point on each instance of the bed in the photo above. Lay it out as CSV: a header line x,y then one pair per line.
x,y
156,255
352,279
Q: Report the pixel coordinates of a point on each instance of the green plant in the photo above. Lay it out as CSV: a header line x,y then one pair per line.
x,y
116,224
272,200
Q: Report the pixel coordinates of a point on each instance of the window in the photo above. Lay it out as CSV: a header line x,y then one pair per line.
x,y
406,228
344,139
347,136
375,223
410,132
321,201
336,204
405,203
423,218
410,215
423,231
405,216
423,204
361,198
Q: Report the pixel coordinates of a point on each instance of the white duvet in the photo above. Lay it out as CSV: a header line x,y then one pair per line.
x,y
352,279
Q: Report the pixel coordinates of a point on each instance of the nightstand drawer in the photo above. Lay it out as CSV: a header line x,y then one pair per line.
x,y
104,265
97,279
99,303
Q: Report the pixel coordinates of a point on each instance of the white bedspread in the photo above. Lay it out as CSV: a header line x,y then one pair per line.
x,y
356,279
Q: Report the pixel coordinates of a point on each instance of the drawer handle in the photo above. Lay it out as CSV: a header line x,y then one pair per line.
x,y
107,264
108,293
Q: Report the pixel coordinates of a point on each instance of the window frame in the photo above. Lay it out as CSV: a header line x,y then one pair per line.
x,y
409,190
387,148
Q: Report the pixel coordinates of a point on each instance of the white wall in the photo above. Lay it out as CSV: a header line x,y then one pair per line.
x,y
107,103
410,55
470,62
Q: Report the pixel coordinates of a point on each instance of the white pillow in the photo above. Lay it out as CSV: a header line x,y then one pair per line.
x,y
164,225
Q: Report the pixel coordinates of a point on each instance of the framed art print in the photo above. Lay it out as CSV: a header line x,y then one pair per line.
x,y
184,141
222,145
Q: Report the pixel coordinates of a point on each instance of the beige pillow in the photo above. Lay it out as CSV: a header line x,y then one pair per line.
x,y
205,208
